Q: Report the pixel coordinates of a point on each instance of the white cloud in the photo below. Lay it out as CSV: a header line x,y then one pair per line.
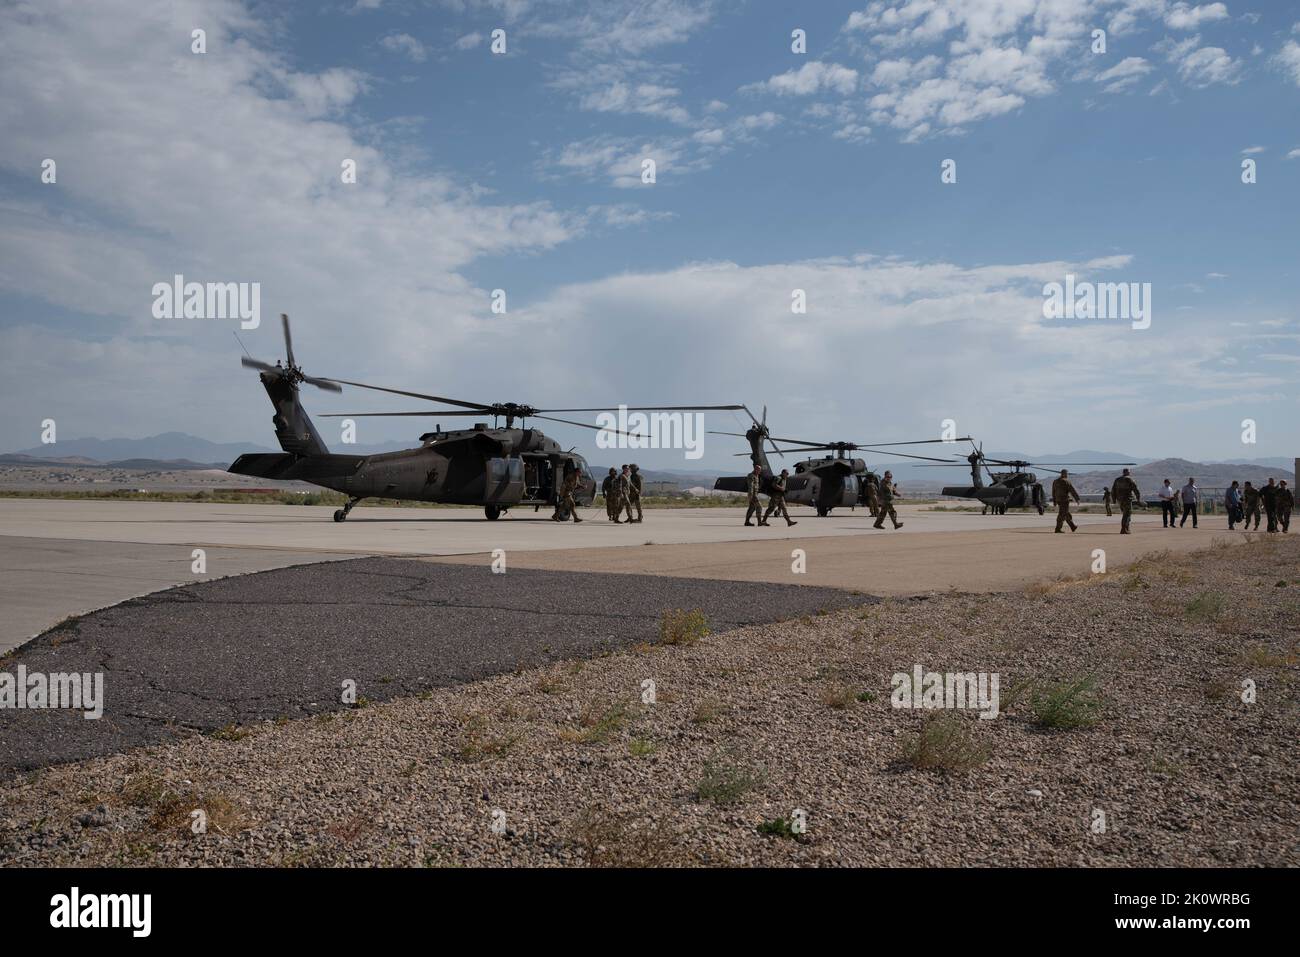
x,y
223,168
649,99
1200,66
1209,65
1252,150
1183,16
853,133
1124,74
1288,59
630,28
812,77
405,44
469,41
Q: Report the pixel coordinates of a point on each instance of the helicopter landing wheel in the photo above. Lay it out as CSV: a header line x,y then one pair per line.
x,y
342,513
493,512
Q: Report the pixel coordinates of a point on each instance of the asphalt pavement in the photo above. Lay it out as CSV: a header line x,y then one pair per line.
x,y
282,643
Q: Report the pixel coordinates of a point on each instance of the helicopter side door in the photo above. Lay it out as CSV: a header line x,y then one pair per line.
x,y
505,480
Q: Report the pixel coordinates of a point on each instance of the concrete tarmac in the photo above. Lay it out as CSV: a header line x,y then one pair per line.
x,y
64,557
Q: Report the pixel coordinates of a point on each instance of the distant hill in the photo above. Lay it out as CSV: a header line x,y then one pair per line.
x,y
171,447
1151,476
138,465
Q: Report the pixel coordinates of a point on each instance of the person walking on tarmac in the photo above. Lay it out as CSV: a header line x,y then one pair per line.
x,y
1062,491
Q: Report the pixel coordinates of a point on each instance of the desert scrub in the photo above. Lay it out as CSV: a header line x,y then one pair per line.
x,y
1065,705
726,780
679,627
944,743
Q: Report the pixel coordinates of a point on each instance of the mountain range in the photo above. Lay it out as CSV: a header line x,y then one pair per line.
x,y
181,451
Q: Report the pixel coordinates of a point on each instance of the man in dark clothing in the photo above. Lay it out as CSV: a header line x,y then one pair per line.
x,y
1125,491
1268,497
1191,496
1250,496
1062,491
1232,504
1285,502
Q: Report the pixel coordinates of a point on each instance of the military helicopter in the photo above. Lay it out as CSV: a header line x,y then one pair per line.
x,y
1015,489
825,483
498,468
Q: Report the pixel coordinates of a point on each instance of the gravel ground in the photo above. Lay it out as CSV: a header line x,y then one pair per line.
x,y
751,724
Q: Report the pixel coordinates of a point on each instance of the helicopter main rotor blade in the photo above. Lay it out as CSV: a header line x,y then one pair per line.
x,y
588,425
288,339
906,455
257,364
478,406
655,408
438,413
328,385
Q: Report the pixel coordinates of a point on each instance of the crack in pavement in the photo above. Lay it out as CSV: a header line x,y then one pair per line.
x,y
205,655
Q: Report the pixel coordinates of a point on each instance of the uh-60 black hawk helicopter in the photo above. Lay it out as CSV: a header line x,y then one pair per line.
x,y
498,468
1015,489
825,483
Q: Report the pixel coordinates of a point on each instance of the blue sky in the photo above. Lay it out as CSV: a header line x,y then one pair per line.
x,y
776,171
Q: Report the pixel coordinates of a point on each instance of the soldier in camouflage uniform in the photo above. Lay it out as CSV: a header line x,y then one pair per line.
x,y
1125,491
623,484
886,507
1285,502
634,492
607,489
753,485
872,488
571,479
1268,496
1062,491
776,499
1250,497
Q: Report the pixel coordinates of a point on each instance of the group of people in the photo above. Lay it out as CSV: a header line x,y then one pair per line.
x,y
775,497
880,498
622,491
1122,492
1242,504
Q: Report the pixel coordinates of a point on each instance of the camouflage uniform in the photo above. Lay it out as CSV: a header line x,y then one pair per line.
x,y
1268,496
1124,490
886,506
607,489
1105,499
1062,491
566,496
752,486
634,493
1285,502
1250,496
776,500
623,484
873,494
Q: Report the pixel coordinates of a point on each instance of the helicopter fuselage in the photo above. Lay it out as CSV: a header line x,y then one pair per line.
x,y
479,466
495,468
